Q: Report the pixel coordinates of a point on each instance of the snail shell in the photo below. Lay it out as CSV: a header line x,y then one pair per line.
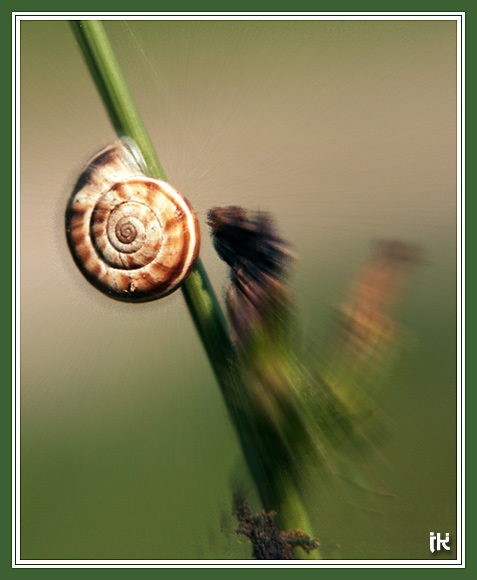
x,y
135,238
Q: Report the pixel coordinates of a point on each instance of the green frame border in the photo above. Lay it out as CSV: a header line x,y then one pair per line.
x,y
6,351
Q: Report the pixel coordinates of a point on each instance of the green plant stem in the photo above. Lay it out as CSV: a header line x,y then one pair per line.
x,y
113,89
200,298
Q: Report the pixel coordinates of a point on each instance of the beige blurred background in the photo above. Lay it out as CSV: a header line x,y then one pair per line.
x,y
345,130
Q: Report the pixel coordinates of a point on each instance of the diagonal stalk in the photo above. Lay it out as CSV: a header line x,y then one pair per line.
x,y
200,298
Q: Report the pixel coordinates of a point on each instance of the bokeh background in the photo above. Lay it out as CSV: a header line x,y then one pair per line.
x,y
345,130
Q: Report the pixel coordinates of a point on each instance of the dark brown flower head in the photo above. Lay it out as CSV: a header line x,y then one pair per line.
x,y
258,258
248,241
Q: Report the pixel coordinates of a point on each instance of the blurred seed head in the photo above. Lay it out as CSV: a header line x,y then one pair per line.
x,y
320,413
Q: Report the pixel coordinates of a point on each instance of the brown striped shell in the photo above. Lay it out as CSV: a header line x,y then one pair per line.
x,y
135,238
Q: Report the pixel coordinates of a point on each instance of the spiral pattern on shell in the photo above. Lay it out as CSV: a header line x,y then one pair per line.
x,y
135,238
